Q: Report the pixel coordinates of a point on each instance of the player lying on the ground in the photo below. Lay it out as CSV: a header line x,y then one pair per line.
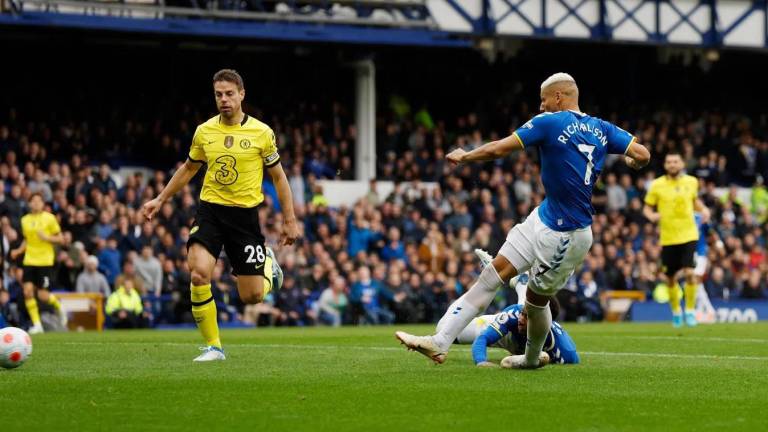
x,y
508,330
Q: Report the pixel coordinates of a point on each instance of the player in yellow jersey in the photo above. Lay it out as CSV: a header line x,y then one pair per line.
x,y
41,232
237,149
674,197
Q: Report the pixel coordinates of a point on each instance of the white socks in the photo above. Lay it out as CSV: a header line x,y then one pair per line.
x,y
481,294
539,323
468,306
454,321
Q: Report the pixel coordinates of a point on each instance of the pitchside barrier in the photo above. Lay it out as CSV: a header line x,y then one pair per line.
x,y
85,310
730,311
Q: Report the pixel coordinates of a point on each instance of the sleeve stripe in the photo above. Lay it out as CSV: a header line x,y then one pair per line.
x,y
519,139
273,163
634,138
195,160
493,326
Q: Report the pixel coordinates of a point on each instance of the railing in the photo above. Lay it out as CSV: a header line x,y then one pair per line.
x,y
702,23
377,13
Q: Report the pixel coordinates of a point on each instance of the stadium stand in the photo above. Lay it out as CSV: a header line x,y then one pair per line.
x,y
402,257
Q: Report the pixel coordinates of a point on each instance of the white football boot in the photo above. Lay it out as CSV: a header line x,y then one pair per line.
x,y
277,271
210,353
36,329
486,259
519,362
424,344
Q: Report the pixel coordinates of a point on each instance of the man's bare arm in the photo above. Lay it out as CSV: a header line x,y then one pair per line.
x,y
180,178
637,156
487,152
284,195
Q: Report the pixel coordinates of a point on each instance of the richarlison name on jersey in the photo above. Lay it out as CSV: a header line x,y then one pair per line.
x,y
576,126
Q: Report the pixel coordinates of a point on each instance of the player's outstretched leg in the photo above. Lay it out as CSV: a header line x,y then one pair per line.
x,y
460,313
423,344
201,264
519,282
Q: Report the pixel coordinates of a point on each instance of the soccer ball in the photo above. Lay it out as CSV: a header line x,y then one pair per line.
x,y
15,347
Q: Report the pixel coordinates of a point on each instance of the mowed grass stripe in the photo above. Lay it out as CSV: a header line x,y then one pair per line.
x,y
454,349
360,379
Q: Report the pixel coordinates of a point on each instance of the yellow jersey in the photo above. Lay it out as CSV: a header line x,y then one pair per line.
x,y
673,199
236,157
39,253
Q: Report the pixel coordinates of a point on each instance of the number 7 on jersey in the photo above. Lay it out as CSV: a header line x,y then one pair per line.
x,y
588,149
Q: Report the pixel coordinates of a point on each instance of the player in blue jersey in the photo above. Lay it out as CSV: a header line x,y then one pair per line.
x,y
508,329
701,247
557,235
705,312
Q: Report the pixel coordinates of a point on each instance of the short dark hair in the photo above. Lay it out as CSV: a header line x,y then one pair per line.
x,y
674,152
229,75
36,194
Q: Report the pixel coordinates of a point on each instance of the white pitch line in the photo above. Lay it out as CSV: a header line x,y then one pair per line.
x,y
677,338
666,355
454,349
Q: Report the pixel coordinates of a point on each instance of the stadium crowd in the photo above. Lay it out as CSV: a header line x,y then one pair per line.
x,y
402,257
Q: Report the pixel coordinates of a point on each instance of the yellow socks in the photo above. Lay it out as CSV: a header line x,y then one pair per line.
x,y
34,313
53,301
267,276
690,297
674,299
204,311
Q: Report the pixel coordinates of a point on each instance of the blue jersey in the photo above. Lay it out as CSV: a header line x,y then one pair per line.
x,y
558,344
701,245
572,147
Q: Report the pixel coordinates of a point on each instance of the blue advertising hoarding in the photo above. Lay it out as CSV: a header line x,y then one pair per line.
x,y
732,311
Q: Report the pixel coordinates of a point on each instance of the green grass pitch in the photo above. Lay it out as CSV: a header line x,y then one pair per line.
x,y
632,377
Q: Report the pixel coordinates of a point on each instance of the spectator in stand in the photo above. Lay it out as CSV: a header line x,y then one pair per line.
x,y
616,194
124,307
103,181
129,273
754,288
149,269
291,301
415,231
716,285
394,248
90,280
333,302
109,260
9,310
371,297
